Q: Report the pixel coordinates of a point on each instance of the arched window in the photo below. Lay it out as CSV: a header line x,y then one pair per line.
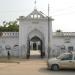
x,y
31,16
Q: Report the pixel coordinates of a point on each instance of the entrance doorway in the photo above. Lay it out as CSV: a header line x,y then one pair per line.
x,y
35,47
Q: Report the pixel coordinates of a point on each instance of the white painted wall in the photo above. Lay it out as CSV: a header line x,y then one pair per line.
x,y
8,39
57,43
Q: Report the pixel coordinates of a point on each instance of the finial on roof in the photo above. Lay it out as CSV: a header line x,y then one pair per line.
x,y
35,5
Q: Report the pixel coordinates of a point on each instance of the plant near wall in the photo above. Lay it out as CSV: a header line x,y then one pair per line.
x,y
11,26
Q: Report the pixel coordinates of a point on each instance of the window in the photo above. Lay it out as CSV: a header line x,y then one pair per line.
x,y
67,57
31,16
70,48
35,16
38,16
74,57
63,48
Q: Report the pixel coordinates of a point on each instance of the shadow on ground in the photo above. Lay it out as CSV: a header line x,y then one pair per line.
x,y
35,57
17,59
46,70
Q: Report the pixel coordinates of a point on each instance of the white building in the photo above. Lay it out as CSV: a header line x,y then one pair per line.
x,y
33,35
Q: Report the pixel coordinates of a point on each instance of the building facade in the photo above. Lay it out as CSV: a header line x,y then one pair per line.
x,y
33,32
33,35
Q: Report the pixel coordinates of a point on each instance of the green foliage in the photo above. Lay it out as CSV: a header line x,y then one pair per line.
x,y
11,26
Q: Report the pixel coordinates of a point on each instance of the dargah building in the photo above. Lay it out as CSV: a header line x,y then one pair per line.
x,y
35,34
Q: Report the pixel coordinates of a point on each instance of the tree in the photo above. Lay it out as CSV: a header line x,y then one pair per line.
x,y
11,26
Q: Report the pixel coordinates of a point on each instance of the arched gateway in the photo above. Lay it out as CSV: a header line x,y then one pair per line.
x,y
33,33
35,42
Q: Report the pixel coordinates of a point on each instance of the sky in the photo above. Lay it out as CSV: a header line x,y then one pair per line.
x,y
62,11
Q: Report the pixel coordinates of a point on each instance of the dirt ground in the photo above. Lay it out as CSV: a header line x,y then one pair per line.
x,y
22,67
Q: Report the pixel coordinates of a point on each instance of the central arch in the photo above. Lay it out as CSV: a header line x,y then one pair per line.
x,y
35,42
